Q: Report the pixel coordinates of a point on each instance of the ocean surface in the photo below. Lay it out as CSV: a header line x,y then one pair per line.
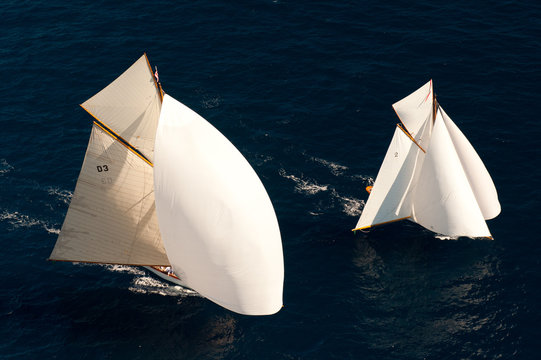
x,y
304,90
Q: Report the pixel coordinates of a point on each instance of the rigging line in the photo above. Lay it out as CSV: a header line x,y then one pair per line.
x,y
429,92
409,135
120,139
435,106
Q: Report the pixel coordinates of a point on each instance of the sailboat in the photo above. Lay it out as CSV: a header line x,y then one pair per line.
x,y
161,187
431,175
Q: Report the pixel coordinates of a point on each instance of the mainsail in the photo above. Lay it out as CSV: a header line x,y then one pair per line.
x,y
112,217
431,175
182,196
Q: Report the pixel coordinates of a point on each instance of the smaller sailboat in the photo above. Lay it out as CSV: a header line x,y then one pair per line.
x,y
431,175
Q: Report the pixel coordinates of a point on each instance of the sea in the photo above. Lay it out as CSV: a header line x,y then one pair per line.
x,y
304,90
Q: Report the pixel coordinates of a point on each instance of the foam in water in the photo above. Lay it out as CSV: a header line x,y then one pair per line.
x,y
211,102
350,206
5,167
445,237
143,283
336,169
61,195
125,269
151,285
365,179
304,186
18,220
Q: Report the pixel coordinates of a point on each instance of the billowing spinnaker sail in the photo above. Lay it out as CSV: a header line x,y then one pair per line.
x,y
389,199
112,217
478,176
217,222
443,200
415,109
130,106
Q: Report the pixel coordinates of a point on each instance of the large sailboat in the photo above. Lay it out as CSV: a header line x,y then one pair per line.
x,y
161,187
431,175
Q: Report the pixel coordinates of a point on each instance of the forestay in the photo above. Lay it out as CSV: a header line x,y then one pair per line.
x,y
216,219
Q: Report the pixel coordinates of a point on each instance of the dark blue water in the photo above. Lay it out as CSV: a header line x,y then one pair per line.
x,y
304,90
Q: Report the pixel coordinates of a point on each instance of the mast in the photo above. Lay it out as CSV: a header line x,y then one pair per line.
x,y
435,106
156,78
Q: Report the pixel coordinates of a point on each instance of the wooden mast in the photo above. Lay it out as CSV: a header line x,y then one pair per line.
x,y
435,106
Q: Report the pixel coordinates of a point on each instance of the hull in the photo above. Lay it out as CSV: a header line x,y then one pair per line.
x,y
162,273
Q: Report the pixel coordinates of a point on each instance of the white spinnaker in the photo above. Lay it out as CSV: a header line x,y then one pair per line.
x,y
443,200
130,106
389,199
216,219
111,217
415,109
478,176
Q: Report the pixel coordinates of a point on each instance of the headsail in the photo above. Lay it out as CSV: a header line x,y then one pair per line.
x,y
216,219
389,199
111,218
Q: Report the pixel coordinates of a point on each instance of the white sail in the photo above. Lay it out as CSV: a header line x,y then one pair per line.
x,y
216,219
389,199
415,109
130,106
112,217
478,176
444,187
443,200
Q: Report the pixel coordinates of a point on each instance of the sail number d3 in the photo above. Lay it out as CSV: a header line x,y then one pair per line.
x,y
102,168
